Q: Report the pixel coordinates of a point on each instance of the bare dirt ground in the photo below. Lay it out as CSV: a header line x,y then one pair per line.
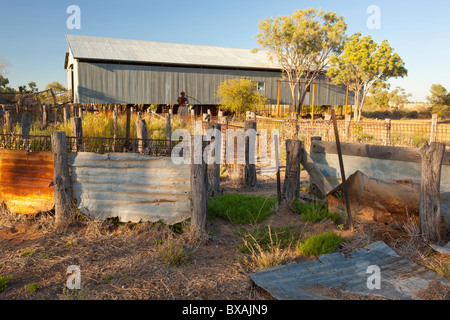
x,y
124,262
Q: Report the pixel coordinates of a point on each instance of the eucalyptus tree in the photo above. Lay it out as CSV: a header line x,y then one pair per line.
x,y
363,66
302,45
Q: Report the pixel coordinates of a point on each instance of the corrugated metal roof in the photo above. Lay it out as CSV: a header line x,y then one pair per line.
x,y
109,49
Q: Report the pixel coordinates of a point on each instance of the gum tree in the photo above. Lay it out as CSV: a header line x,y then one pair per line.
x,y
240,95
302,44
364,65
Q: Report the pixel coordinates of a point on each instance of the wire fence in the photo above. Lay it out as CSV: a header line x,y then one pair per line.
x,y
151,147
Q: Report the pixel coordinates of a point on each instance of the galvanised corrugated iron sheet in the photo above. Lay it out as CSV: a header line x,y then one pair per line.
x,y
131,187
26,181
400,278
126,50
141,84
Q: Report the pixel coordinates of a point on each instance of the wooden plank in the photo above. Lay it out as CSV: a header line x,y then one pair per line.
x,y
373,151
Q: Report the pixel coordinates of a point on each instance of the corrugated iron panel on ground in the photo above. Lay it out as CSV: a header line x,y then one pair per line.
x,y
401,279
26,181
131,187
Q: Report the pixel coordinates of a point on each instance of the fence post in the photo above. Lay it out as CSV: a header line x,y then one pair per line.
x,y
434,124
348,121
168,133
387,132
430,202
327,127
8,121
44,116
214,161
199,188
128,127
141,133
250,156
66,114
61,181
291,186
77,134
26,124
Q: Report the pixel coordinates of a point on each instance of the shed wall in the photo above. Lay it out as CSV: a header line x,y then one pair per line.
x,y
145,84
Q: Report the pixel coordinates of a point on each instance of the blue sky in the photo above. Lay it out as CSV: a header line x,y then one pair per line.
x,y
32,32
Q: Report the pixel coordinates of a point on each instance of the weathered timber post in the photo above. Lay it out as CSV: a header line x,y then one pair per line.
x,y
199,187
434,125
342,169
141,133
44,116
77,134
61,180
26,124
348,121
430,202
8,121
128,127
56,113
214,159
115,126
387,132
291,186
168,134
327,127
66,114
250,155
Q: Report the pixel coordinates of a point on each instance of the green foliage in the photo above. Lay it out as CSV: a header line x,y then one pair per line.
x,y
4,281
263,238
315,212
32,287
240,95
240,208
364,66
28,252
438,95
318,244
302,43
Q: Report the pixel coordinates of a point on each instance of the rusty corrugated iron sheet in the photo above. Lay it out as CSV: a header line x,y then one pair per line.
x,y
26,181
131,187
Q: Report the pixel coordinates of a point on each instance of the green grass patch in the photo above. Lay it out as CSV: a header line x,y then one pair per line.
x,y
240,208
265,237
32,287
3,282
315,212
318,244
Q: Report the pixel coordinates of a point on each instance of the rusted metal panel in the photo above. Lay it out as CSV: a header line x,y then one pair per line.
x,y
131,187
26,181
